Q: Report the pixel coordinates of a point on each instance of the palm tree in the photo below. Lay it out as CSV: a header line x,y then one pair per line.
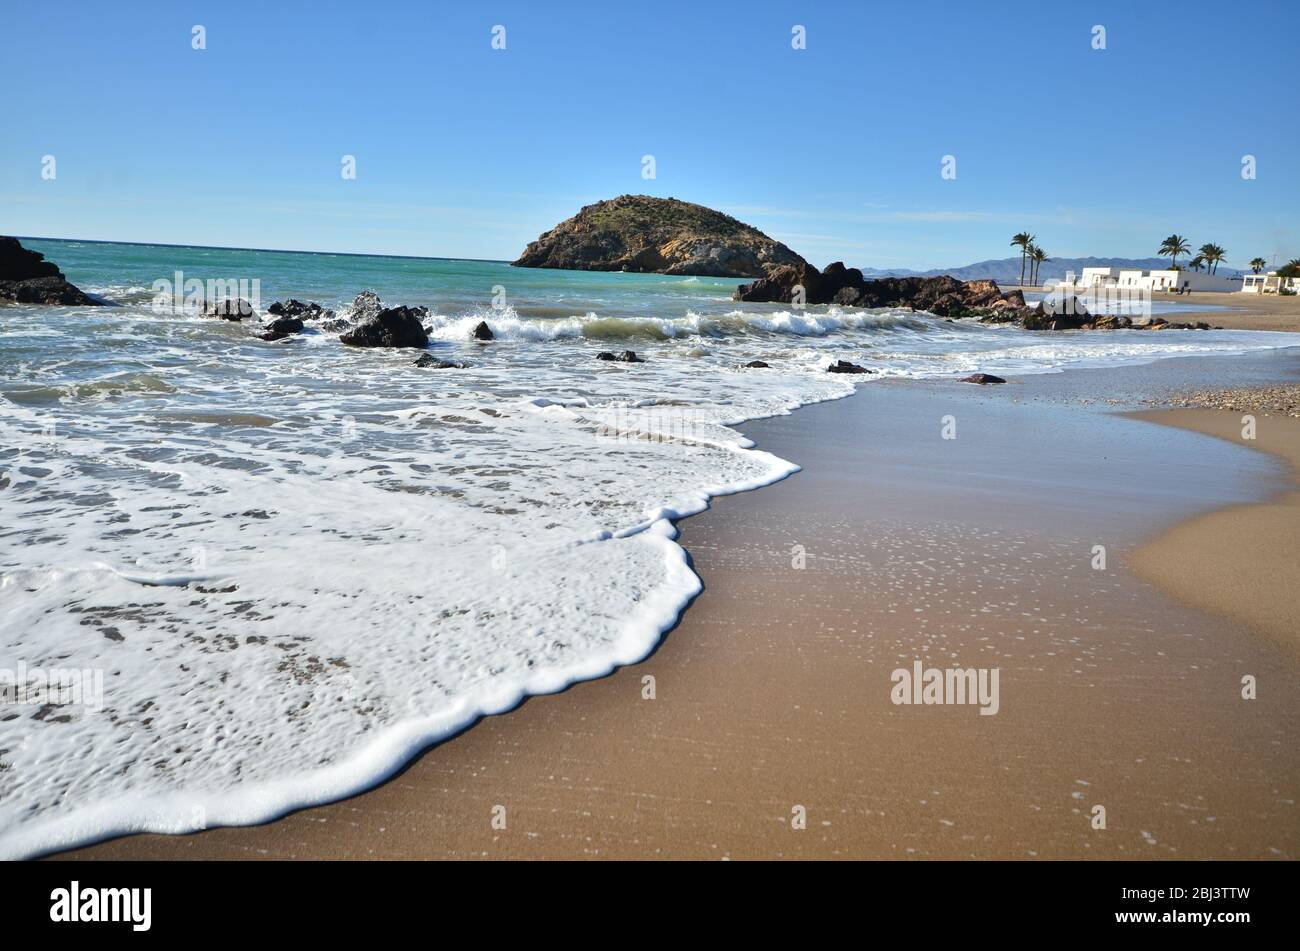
x,y
1196,263
1257,265
1038,256
1173,246
1206,254
1212,254
1022,241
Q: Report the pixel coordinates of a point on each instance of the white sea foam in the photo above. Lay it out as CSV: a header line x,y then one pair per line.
x,y
299,563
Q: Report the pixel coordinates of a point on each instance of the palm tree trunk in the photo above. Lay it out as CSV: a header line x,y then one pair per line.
x,y
1022,267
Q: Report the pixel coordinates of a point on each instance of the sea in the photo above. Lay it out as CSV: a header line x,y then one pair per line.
x,y
238,577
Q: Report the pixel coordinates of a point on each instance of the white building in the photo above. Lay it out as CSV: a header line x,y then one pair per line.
x,y
1269,283
1132,279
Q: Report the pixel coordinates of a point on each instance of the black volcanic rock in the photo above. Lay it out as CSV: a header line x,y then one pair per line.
x,y
285,325
27,278
843,366
1058,313
483,331
303,310
232,308
656,235
757,365
393,327
21,264
781,283
982,378
429,360
627,356
366,306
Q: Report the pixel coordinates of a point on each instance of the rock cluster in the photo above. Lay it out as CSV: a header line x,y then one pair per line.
x,y
303,310
391,327
845,286
27,278
942,296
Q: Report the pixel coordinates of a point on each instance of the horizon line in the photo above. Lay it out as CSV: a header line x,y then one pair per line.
x,y
226,247
422,257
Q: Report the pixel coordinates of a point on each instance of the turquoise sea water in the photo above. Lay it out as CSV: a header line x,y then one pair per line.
x,y
290,565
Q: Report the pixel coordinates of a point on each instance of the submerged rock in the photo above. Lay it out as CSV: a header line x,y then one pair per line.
x,y
27,278
757,365
843,366
982,378
482,331
627,356
429,360
393,327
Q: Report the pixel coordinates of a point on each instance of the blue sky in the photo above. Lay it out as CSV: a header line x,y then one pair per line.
x,y
466,151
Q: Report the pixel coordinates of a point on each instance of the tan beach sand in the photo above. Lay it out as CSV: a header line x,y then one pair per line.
x,y
1246,311
1249,311
1242,562
774,691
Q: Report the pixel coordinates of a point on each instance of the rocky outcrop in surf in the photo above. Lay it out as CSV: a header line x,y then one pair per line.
x,y
942,296
844,366
366,306
232,308
391,327
656,235
302,310
845,286
27,278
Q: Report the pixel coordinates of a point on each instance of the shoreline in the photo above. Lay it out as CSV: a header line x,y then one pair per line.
x,y
1227,310
1241,562
631,749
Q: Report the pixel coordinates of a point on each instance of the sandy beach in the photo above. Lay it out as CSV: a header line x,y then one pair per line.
x,y
1230,311
1120,685
1234,562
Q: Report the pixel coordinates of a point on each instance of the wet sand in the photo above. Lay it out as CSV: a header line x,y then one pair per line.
x,y
1241,562
895,545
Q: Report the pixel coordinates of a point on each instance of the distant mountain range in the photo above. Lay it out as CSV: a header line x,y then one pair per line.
x,y
1007,270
